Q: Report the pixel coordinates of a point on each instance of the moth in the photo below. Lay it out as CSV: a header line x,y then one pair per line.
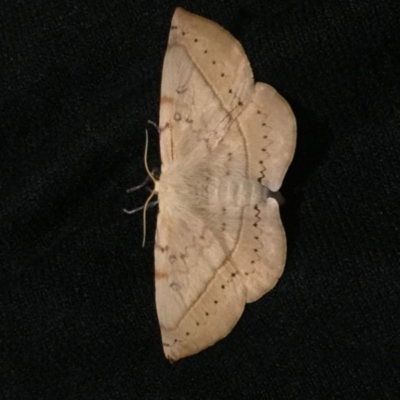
x,y
226,143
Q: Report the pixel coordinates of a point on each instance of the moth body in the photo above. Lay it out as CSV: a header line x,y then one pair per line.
x,y
195,188
226,143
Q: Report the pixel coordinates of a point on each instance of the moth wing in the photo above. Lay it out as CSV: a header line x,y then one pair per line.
x,y
206,81
204,275
213,260
207,84
269,126
199,293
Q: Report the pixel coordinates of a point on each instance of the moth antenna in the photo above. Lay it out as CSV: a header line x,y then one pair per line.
x,y
146,147
133,189
151,204
144,215
154,124
153,192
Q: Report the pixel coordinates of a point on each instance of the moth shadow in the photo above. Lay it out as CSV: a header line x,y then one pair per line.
x,y
313,142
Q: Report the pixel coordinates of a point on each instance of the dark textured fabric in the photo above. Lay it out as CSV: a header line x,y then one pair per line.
x,y
79,80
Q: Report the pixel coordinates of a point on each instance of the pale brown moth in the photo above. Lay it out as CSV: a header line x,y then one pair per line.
x,y
226,143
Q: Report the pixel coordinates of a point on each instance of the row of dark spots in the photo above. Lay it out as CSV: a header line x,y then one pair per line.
x,y
233,274
263,124
256,238
207,313
205,51
263,149
261,162
256,225
261,177
227,173
197,322
195,39
240,103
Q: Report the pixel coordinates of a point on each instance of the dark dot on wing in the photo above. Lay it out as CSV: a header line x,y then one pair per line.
x,y
215,301
175,340
252,261
240,103
222,74
183,33
187,333
258,112
261,162
206,313
233,275
246,273
263,124
197,324
255,250
195,40
259,180
205,51
227,173
263,149
265,136
222,286
213,62
255,224
256,237
229,154
230,90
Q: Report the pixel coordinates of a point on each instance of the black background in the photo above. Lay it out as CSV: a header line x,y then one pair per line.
x,y
79,80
